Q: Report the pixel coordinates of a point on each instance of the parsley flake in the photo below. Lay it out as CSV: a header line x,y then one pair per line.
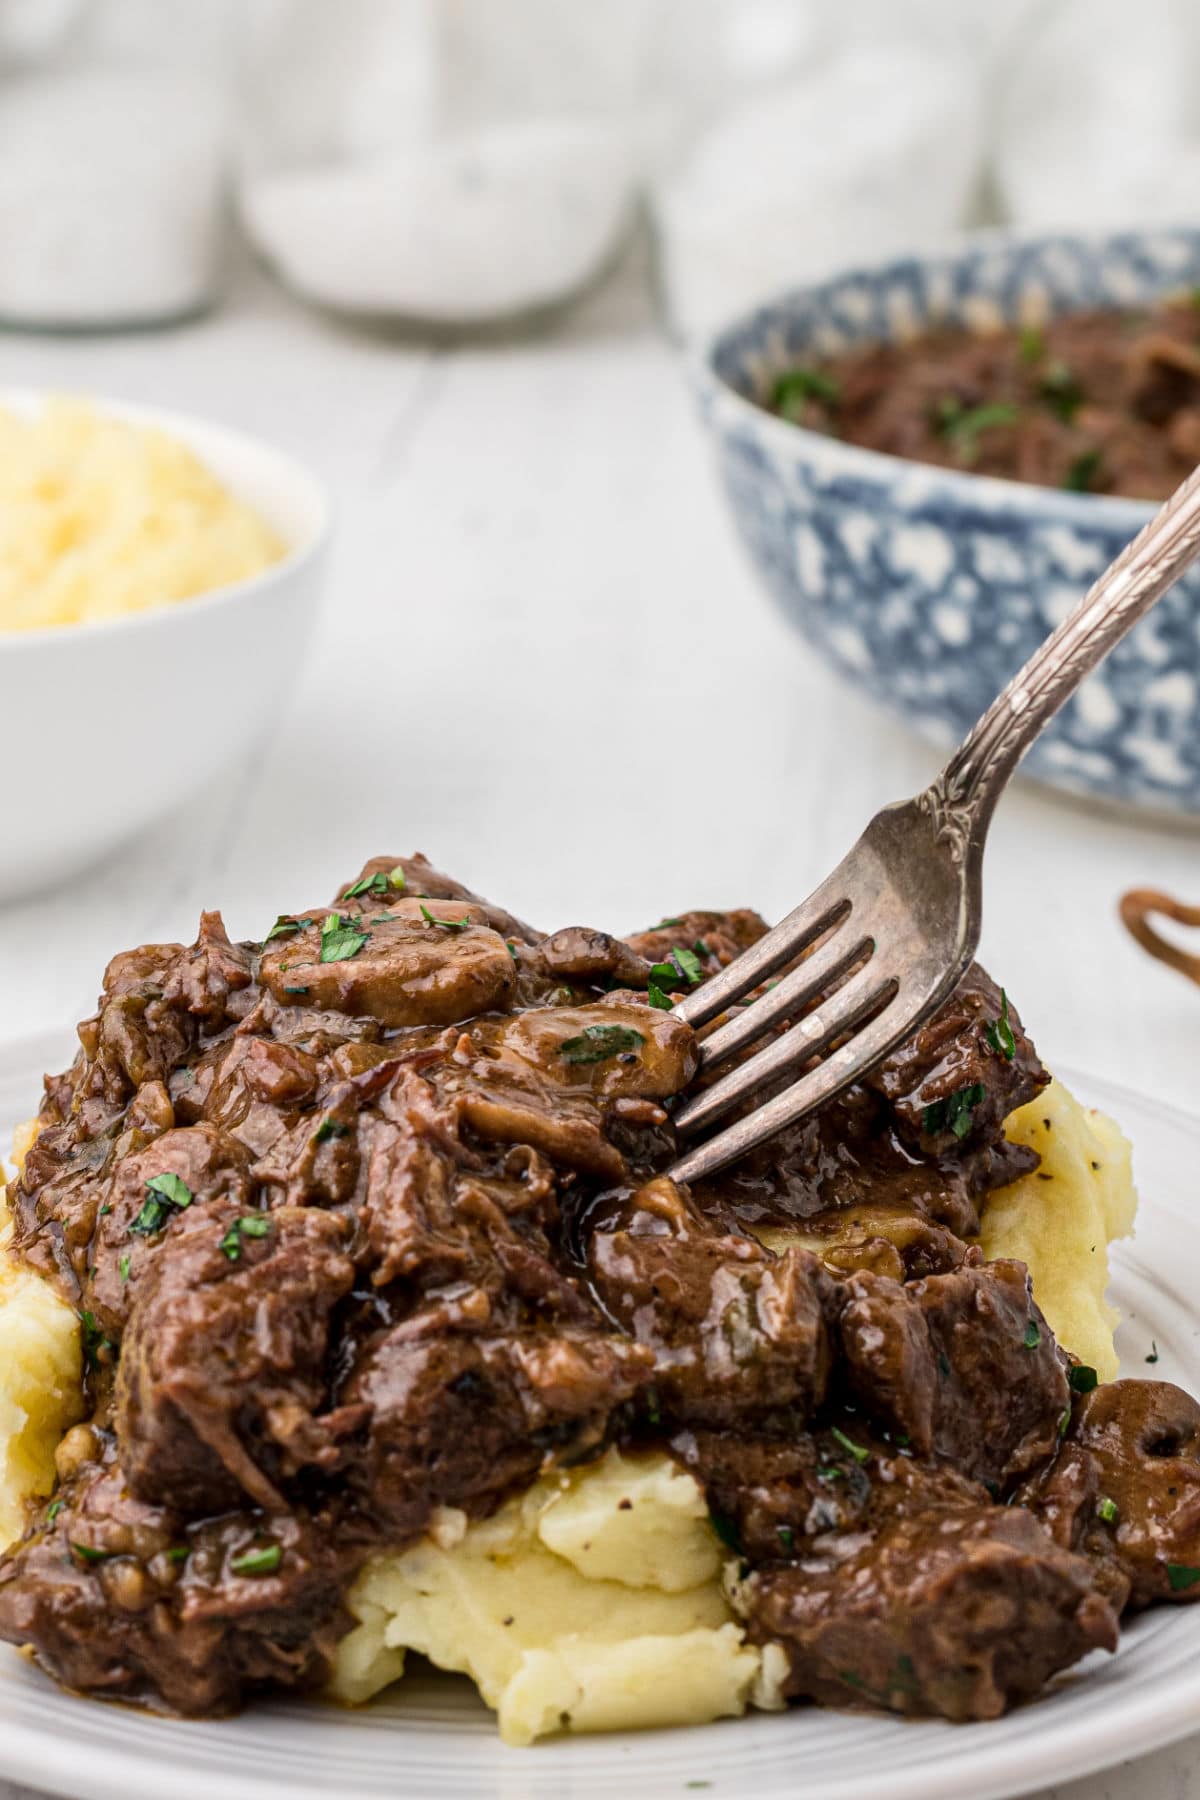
x,y
726,1529
283,927
688,965
856,1450
1000,1032
1108,1510
796,387
164,1192
1153,1356
1033,1336
446,924
330,1128
1080,477
1082,1378
598,1042
665,924
123,1268
87,1553
339,942
257,1562
376,884
1060,391
1181,1577
1032,344
254,1225
954,1112
787,1538
962,425
53,1510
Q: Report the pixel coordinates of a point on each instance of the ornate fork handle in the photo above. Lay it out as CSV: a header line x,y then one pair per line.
x,y
963,796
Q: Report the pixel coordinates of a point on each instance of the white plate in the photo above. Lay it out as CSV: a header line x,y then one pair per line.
x,y
435,1741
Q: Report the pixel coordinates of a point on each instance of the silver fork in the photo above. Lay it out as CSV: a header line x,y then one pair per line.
x,y
892,931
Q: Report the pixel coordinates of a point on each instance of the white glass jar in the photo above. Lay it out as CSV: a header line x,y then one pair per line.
x,y
113,160
444,163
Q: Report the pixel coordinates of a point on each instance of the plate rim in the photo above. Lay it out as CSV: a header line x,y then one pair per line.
x,y
1165,1715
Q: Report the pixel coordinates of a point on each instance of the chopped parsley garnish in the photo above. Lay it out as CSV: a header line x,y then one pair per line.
x,y
178,1553
657,995
94,1340
295,990
856,1450
165,1191
1033,1336
1082,1378
371,884
1153,1356
598,1042
339,942
447,924
1061,392
1108,1510
1063,1422
254,1225
787,1538
701,948
796,387
962,425
1032,344
954,1112
1000,1032
687,963
257,1562
330,1128
53,1510
653,1410
829,1472
123,1268
1080,478
283,927
943,1362
726,1529
88,1554
1181,1577
513,951
664,924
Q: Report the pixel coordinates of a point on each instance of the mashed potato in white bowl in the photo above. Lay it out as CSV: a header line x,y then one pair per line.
x,y
145,559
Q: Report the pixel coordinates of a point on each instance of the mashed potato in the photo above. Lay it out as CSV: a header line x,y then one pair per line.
x,y
100,517
595,1600
1060,1220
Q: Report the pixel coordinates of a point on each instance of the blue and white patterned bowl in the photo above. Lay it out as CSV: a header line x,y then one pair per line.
x,y
930,587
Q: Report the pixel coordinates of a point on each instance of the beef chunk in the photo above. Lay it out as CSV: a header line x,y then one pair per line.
x,y
125,1600
591,957
889,1581
1124,1490
924,1132
459,1420
222,1363
422,881
954,1612
715,937
964,1364
734,1329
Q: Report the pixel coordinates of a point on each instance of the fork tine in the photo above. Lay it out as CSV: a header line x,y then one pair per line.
x,y
876,1040
861,996
826,909
816,975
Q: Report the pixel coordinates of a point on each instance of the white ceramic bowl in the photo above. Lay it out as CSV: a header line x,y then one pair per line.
x,y
106,727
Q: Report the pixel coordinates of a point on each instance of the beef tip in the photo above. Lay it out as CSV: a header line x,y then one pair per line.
x,y
209,980
461,1420
202,1166
420,880
715,937
776,1497
923,1133
964,1364
951,1087
222,1364
122,1599
591,957
1124,1490
403,968
734,1329
955,1612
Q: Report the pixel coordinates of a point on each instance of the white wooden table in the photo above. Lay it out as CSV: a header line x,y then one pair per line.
x,y
539,629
